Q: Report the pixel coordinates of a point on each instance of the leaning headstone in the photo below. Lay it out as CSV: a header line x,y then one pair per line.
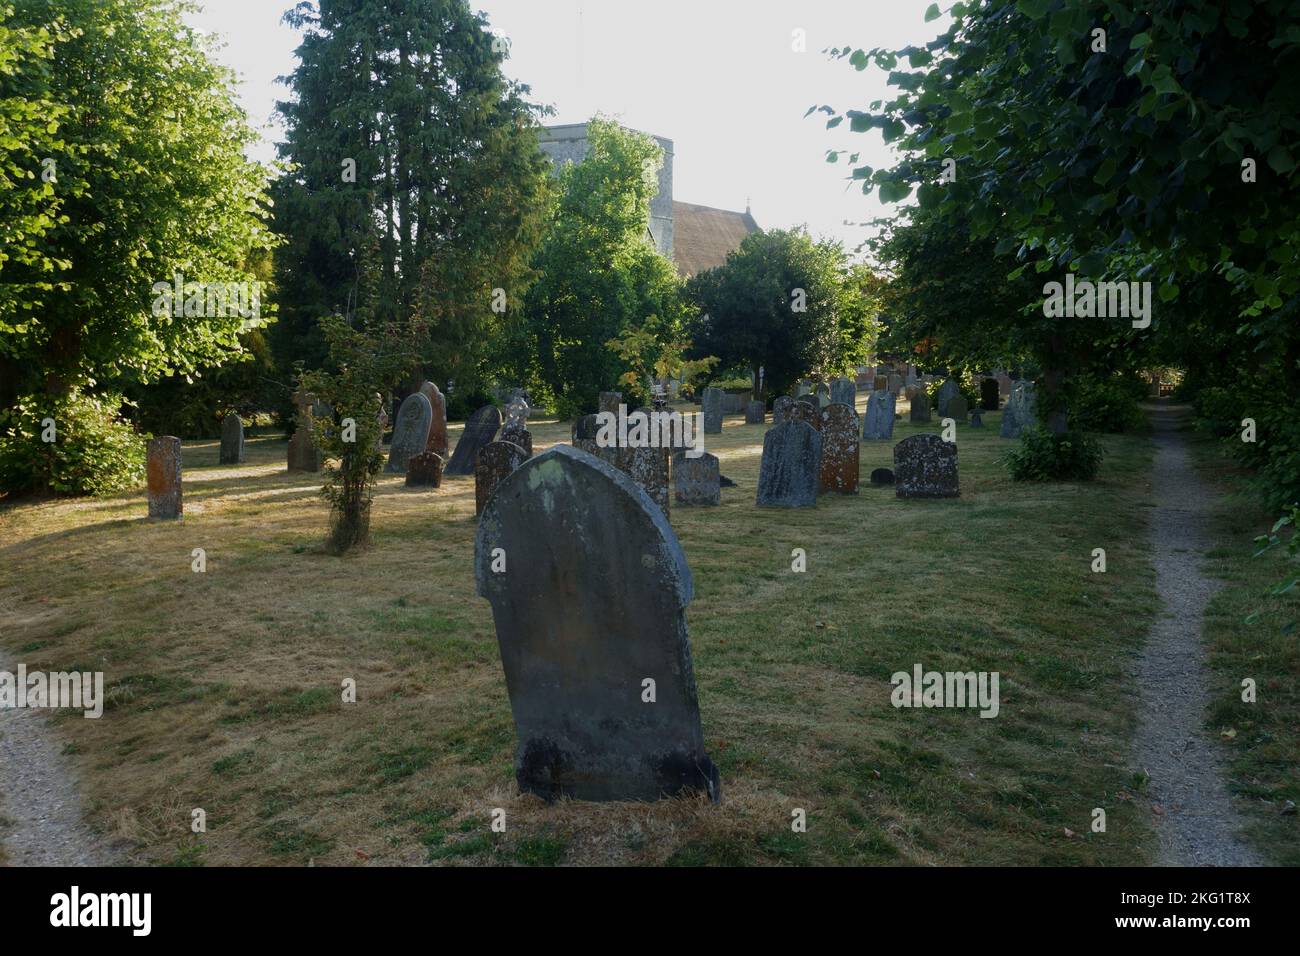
x,y
755,413
839,467
878,424
479,430
516,426
495,463
696,481
977,419
303,453
947,392
925,466
609,402
882,476
411,433
424,470
791,464
438,423
844,391
232,440
805,411
989,396
164,473
920,408
957,409
712,411
781,409
589,588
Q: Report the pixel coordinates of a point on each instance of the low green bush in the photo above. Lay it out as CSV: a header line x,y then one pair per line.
x,y
94,452
1043,456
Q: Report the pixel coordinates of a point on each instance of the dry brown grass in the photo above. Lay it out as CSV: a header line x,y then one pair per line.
x,y
226,685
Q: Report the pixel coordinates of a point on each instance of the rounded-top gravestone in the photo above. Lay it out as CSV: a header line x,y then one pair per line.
x,y
410,433
232,440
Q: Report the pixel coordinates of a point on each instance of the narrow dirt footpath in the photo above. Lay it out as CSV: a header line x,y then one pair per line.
x,y
1197,824
41,821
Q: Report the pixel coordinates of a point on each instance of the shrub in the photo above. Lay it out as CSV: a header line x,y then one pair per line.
x,y
1043,456
1107,404
94,452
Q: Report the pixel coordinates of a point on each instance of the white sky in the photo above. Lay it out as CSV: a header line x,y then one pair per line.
x,y
717,77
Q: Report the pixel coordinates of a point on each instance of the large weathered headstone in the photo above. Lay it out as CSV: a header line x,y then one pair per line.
x,y
947,392
845,392
438,421
878,424
648,467
164,476
957,409
755,413
791,465
232,440
411,433
495,463
516,426
781,409
989,397
303,453
480,429
712,404
839,467
589,588
696,481
424,470
925,466
920,408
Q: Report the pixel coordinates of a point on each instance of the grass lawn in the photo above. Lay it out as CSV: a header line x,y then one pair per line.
x,y
1262,738
225,686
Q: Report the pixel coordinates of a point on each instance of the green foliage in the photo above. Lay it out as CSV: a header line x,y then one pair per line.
x,y
1044,456
94,451
599,276
1273,540
785,303
1107,404
446,163
648,357
152,181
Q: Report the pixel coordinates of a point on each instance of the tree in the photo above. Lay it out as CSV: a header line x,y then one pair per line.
x,y
786,304
151,187
599,276
401,118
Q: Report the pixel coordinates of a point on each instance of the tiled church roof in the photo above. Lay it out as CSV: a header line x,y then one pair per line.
x,y
702,235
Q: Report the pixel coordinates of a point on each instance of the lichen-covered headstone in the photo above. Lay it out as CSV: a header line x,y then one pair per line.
x,y
303,453
648,467
920,408
712,404
481,429
878,424
232,440
925,466
844,391
696,481
164,477
755,413
516,427
839,467
585,431
781,409
424,470
495,463
589,588
947,392
438,422
410,433
788,472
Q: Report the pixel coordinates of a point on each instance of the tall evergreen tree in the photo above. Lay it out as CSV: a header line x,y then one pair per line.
x,y
401,120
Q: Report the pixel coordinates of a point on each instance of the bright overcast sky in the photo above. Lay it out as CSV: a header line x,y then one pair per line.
x,y
717,77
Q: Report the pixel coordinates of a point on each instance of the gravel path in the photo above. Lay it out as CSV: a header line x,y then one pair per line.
x,y
40,806
1196,823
